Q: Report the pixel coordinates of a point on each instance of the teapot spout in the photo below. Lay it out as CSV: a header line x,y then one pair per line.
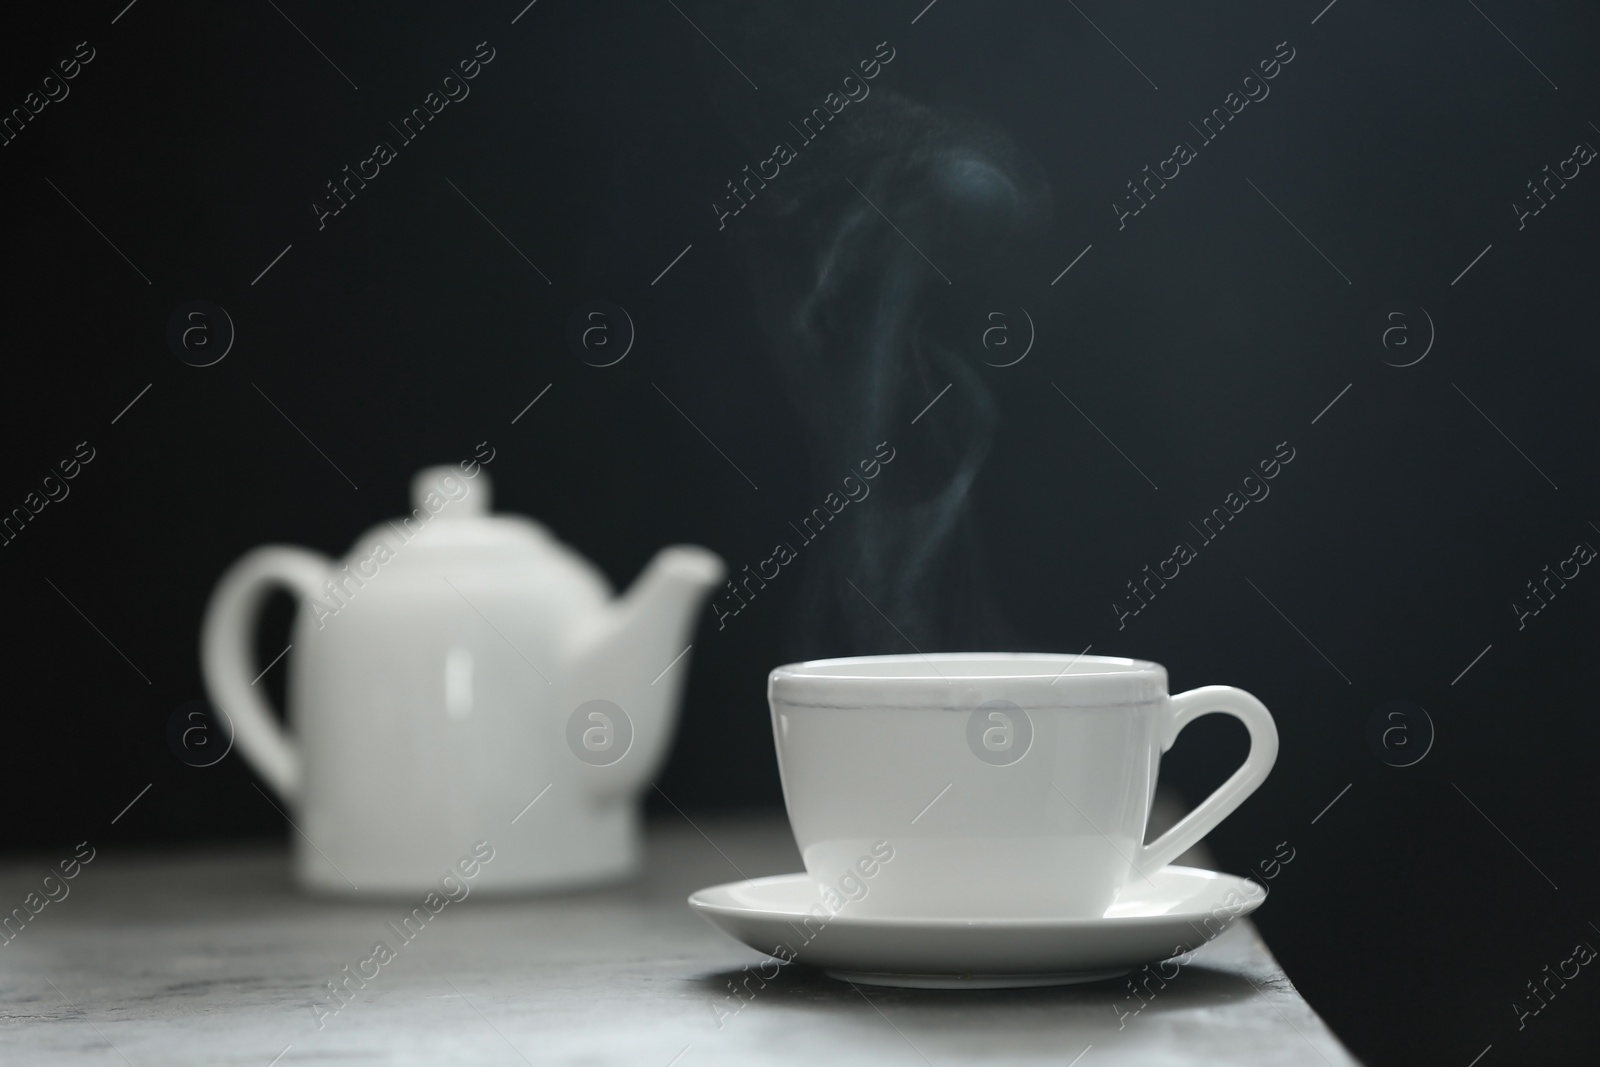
x,y
636,654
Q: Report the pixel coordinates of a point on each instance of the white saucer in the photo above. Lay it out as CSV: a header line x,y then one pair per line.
x,y
1176,910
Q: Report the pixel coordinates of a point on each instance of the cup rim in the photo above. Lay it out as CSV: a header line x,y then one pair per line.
x,y
910,680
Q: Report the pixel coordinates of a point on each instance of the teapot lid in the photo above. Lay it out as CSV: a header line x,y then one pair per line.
x,y
450,511
437,486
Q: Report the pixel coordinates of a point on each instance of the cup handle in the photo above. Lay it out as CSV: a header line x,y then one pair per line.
x,y
1183,709
227,656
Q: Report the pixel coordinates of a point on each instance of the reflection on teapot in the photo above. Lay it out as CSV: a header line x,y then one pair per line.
x,y
459,676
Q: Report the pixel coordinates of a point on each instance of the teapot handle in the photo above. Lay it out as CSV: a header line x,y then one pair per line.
x,y
227,656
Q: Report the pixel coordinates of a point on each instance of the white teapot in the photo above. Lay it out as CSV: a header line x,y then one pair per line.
x,y
459,677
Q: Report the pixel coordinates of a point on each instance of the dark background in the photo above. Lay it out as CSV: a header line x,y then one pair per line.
x,y
1197,338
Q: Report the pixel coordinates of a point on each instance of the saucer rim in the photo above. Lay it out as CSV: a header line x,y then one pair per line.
x,y
702,906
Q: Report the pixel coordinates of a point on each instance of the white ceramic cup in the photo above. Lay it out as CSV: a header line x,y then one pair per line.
x,y
1005,785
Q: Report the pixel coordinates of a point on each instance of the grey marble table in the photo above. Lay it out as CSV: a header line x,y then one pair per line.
x,y
209,957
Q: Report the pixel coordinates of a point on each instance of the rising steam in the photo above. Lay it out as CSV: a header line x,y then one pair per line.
x,y
868,321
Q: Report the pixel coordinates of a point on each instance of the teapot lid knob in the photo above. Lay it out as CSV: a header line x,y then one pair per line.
x,y
462,497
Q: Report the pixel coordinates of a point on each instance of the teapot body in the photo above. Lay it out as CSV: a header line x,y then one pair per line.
x,y
432,713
